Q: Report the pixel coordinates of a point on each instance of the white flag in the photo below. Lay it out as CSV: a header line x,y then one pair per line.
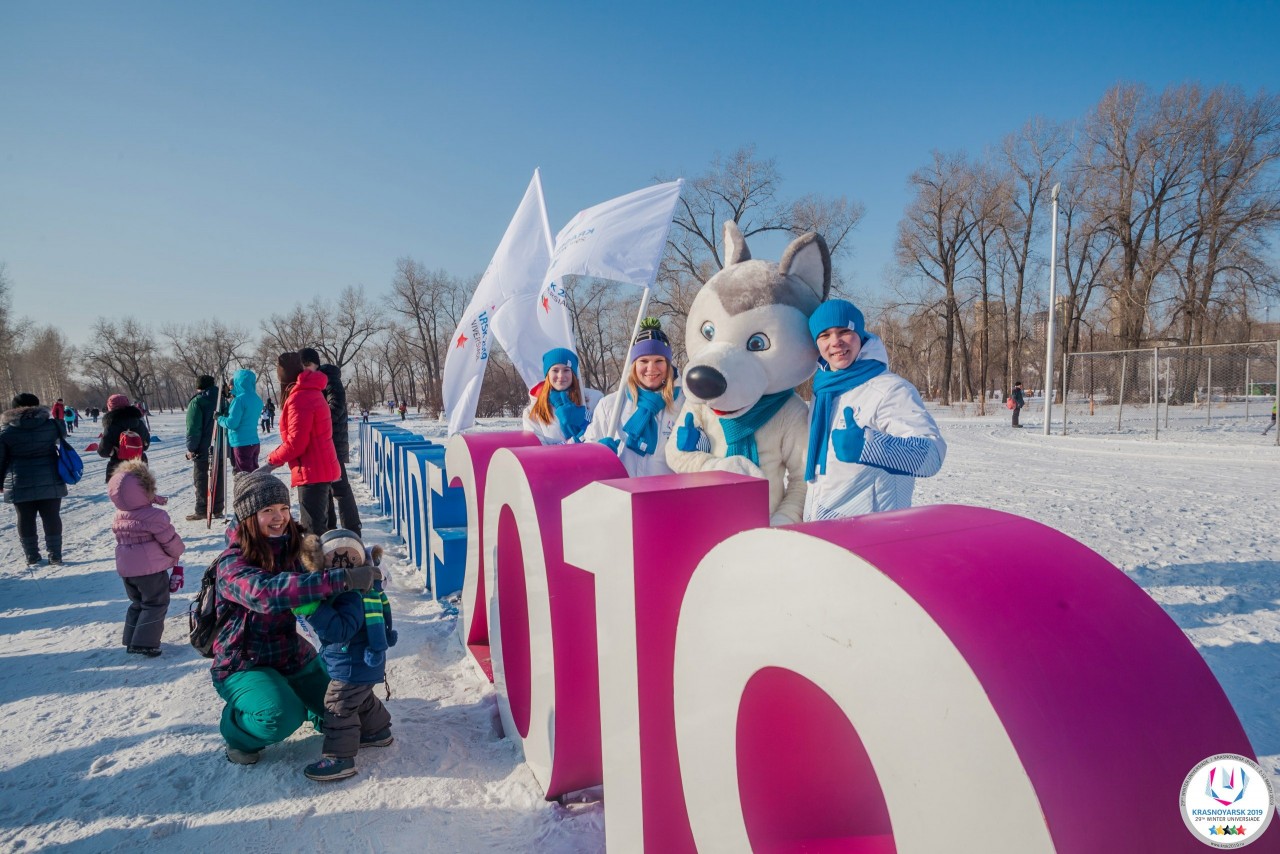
x,y
508,288
621,240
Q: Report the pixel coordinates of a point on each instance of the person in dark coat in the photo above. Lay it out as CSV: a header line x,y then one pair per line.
x,y
29,435
347,514
121,415
1019,401
200,416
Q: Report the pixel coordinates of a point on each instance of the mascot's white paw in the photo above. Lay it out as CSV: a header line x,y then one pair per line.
x,y
738,464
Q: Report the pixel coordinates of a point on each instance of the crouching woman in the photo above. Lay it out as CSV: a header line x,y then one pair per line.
x,y
266,672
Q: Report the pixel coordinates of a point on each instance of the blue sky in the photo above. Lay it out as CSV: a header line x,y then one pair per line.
x,y
233,158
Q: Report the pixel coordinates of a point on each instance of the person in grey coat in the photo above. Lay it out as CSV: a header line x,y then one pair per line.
x,y
29,474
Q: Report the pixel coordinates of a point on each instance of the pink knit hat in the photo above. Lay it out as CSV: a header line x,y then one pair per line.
x,y
116,401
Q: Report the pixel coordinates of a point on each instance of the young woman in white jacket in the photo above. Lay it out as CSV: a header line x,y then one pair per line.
x,y
649,405
561,409
869,434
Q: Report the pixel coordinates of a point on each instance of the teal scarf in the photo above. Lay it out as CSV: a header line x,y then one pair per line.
x,y
641,428
828,385
740,432
571,417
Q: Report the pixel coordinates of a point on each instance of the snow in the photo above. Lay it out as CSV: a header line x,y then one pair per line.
x,y
105,751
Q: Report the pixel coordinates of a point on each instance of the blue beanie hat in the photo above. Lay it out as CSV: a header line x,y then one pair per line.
x,y
559,356
836,313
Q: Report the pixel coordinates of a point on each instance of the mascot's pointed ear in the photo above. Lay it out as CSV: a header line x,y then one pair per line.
x,y
735,245
809,260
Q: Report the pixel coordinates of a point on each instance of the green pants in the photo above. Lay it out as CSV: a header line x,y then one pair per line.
x,y
265,707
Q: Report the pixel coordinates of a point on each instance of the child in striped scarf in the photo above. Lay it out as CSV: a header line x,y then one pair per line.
x,y
355,631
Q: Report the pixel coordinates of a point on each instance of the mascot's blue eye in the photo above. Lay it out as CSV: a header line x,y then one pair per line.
x,y
758,342
708,330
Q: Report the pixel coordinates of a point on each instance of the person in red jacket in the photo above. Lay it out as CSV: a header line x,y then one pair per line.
x,y
306,441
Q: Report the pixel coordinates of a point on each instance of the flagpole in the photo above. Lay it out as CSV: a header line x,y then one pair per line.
x,y
546,225
616,417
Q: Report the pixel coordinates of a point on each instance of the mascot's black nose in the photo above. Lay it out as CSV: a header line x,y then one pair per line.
x,y
705,382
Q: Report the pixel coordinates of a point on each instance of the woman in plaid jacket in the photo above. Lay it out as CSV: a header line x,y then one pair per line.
x,y
268,675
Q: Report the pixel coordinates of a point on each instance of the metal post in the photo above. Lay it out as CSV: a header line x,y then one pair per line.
x,y
1064,393
1208,393
1247,389
1168,390
1120,409
1155,385
1049,327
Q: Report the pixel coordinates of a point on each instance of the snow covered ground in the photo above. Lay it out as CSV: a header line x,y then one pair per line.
x,y
103,751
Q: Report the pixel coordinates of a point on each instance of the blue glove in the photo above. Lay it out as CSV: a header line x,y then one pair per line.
x,y
688,436
610,443
375,657
392,637
848,442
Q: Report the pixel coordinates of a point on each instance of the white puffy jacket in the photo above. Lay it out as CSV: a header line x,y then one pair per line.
x,y
902,443
635,464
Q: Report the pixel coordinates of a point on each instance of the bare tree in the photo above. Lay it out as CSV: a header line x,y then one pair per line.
x,y
603,314
933,237
127,349
1237,200
1087,248
8,335
1031,157
431,303
745,189
208,346
288,333
344,329
1141,156
988,204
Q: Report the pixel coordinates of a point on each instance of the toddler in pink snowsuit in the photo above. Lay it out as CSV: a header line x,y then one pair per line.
x,y
146,547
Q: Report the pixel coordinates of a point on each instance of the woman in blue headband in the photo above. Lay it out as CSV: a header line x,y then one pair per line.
x,y
649,405
561,409
870,436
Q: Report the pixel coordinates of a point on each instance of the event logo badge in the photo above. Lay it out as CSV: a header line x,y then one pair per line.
x,y
554,292
479,336
1227,801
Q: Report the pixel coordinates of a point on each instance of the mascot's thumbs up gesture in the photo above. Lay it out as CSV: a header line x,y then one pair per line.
x,y
749,347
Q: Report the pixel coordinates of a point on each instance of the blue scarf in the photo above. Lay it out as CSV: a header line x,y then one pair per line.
x,y
571,416
641,428
828,385
740,432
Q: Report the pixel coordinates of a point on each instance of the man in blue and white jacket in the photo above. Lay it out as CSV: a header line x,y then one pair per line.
x,y
869,434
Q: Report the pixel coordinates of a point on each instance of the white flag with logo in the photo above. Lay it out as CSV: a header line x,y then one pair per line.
x,y
621,240
507,292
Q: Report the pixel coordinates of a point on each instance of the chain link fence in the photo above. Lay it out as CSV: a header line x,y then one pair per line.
x,y
1220,391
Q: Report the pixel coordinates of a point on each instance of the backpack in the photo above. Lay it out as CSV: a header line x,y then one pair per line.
x,y
202,614
130,446
70,466
1009,403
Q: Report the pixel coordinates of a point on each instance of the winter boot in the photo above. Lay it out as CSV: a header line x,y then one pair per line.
x,y
31,548
377,739
331,768
243,757
54,544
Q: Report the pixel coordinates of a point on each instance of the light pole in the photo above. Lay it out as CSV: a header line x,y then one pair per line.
x,y
1048,327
